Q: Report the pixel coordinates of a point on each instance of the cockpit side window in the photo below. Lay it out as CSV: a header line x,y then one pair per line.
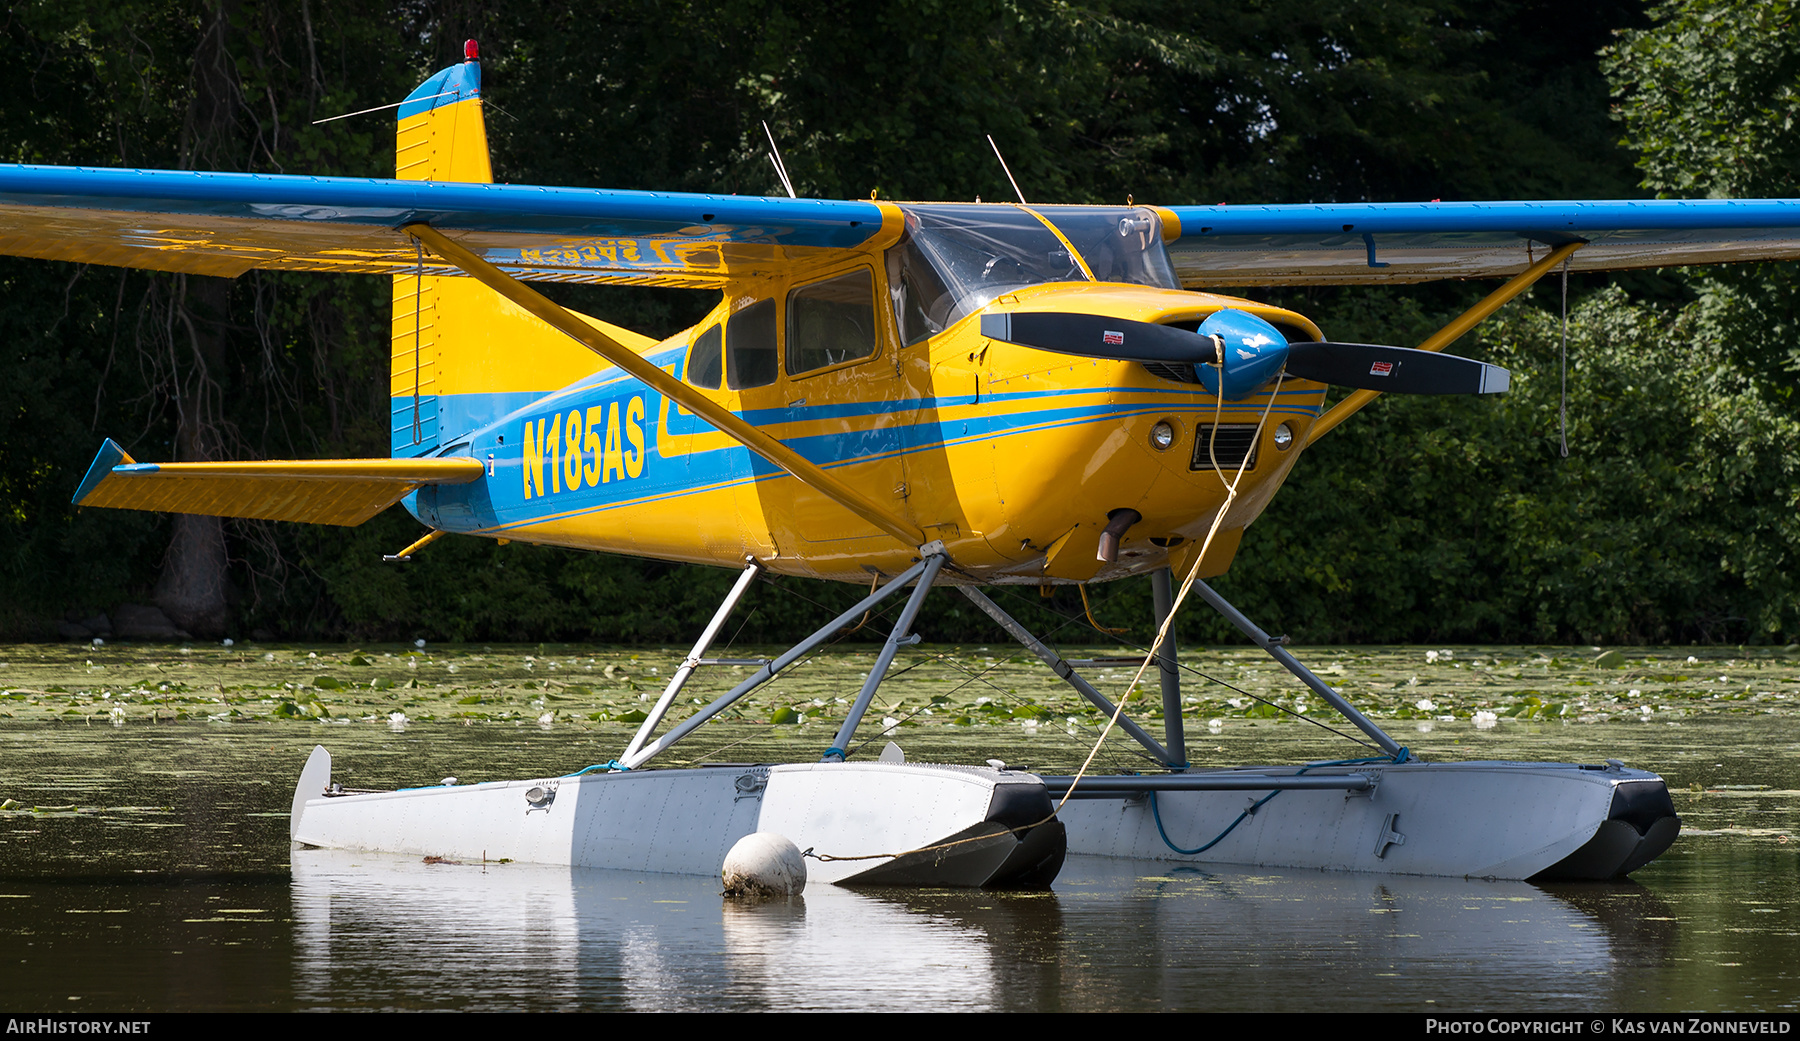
x,y
752,352
922,304
986,250
831,322
705,358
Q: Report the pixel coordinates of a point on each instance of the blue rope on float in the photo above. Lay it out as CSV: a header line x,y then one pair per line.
x,y
1218,838
610,764
1397,758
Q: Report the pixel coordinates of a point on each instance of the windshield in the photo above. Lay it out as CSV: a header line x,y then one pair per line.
x,y
1120,244
955,258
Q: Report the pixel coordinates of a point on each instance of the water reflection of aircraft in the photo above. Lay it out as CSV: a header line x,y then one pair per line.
x,y
904,395
380,931
374,930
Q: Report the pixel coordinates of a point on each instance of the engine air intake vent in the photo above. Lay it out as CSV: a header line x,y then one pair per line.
x,y
1233,442
1172,371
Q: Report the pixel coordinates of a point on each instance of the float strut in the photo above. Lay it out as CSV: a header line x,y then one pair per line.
x,y
1066,671
900,635
767,672
1304,674
1162,593
752,568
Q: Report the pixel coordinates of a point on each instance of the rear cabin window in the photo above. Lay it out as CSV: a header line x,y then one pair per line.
x,y
831,322
752,357
706,358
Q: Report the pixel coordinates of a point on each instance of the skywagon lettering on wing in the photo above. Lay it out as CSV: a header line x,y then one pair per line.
x,y
584,448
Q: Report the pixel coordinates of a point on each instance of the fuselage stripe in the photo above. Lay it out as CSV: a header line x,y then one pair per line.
x,y
1090,417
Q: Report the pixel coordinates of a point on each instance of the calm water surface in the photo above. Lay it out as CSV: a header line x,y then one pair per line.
x,y
168,884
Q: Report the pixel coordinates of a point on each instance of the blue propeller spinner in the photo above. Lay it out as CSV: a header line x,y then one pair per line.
x,y
1251,352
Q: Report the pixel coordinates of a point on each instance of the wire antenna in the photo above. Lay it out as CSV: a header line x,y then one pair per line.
x,y
775,161
382,108
1008,169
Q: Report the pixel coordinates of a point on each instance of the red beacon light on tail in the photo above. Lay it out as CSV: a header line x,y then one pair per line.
x,y
471,51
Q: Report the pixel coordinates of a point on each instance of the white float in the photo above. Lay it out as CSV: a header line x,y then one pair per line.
x,y
867,823
891,822
1496,820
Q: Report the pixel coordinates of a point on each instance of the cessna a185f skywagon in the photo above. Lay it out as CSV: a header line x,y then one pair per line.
x,y
890,394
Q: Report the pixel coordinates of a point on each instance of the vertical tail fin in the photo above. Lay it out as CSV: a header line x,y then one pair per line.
x,y
462,355
441,136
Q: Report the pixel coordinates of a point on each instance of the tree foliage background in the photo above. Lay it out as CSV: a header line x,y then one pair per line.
x,y
1673,518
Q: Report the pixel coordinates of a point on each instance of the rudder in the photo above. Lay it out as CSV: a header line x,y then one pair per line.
x,y
463,356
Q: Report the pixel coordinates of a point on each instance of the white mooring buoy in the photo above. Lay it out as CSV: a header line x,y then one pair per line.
x,y
764,864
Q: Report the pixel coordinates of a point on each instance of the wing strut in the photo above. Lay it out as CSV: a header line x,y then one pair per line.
x,y
1448,334
654,377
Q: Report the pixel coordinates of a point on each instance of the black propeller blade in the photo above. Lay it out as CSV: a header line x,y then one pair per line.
x,y
1252,353
1097,336
1394,370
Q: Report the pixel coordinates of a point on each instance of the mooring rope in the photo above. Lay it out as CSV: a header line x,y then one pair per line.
x,y
1231,491
1193,575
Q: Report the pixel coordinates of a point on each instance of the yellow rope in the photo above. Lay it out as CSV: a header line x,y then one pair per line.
x,y
1231,491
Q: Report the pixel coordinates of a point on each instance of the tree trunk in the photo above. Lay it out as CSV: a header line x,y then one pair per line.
x,y
192,588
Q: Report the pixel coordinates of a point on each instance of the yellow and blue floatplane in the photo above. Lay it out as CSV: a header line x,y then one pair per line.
x,y
893,394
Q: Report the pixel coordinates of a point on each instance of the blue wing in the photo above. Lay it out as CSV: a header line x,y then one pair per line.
x,y
226,224
1368,243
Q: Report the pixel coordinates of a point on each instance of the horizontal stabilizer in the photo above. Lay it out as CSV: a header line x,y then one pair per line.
x,y
323,491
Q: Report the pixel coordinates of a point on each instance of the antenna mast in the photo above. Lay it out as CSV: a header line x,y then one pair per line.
x,y
1008,169
775,161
